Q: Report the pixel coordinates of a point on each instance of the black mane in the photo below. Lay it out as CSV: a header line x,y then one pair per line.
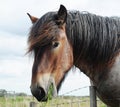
x,y
94,38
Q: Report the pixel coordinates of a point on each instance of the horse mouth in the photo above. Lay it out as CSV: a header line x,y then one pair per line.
x,y
41,95
45,94
46,97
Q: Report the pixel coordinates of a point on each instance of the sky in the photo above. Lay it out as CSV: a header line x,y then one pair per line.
x,y
15,66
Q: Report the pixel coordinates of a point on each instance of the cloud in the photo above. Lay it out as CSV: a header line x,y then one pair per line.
x,y
100,7
15,66
74,80
15,74
15,20
12,44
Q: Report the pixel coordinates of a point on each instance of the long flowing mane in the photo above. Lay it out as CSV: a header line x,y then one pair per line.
x,y
94,38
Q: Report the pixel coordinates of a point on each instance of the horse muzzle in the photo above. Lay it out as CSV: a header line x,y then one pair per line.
x,y
44,89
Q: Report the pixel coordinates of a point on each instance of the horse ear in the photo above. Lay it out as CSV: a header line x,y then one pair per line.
x,y
62,15
32,18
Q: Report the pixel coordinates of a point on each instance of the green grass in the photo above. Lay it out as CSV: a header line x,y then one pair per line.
x,y
55,102
69,102
14,101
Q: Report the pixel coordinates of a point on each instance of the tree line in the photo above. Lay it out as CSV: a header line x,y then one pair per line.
x,y
4,93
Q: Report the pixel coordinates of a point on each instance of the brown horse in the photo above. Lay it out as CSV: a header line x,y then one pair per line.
x,y
62,39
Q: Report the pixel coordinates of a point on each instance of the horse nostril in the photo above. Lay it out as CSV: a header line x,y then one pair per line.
x,y
39,93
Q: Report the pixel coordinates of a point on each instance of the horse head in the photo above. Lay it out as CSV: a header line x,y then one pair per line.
x,y
53,53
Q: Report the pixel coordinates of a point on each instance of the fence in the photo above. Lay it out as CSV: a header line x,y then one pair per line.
x,y
10,99
88,101
62,101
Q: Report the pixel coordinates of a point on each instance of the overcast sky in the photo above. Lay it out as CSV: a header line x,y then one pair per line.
x,y
15,66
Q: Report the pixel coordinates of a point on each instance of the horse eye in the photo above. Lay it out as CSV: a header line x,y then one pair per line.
x,y
55,44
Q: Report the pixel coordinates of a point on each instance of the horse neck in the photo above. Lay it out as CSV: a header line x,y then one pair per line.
x,y
90,35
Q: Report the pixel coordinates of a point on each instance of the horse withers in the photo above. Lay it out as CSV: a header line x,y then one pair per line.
x,y
90,42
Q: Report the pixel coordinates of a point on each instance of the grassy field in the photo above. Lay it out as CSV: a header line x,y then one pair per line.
x,y
56,102
15,101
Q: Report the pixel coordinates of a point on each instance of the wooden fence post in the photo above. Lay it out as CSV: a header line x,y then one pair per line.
x,y
33,104
78,104
93,102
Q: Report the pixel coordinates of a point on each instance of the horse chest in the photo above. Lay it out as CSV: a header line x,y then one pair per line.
x,y
108,88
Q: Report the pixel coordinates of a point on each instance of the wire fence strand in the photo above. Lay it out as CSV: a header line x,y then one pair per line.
x,y
64,100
